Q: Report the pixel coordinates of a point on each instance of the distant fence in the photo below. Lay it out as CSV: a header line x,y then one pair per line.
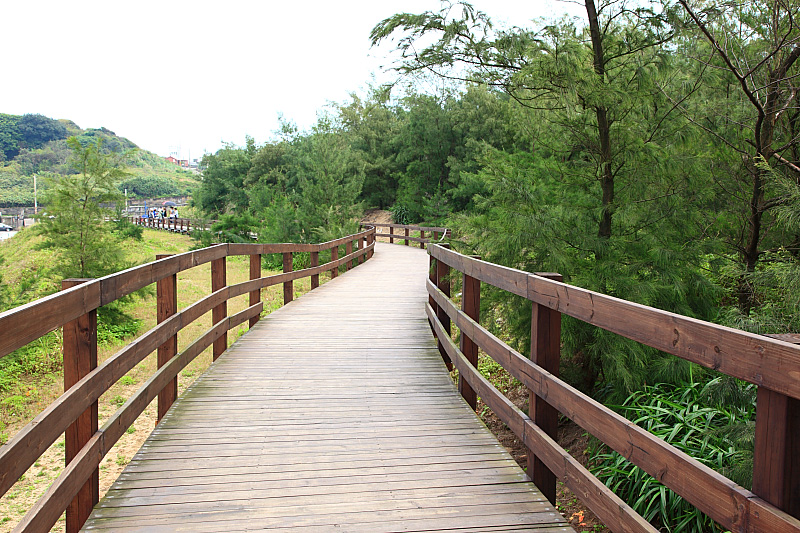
x,y
410,233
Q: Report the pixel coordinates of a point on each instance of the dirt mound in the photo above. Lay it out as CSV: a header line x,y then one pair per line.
x,y
377,216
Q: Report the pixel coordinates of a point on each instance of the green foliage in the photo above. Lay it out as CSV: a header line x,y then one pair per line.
x,y
152,187
42,356
10,136
691,418
400,214
36,130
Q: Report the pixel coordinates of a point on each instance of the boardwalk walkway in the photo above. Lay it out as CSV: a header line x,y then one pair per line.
x,y
334,413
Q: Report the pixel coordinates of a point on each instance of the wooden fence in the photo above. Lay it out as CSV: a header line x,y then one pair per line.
x,y
178,225
772,364
436,233
75,309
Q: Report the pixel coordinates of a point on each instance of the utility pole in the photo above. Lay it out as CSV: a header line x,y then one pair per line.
x,y
35,202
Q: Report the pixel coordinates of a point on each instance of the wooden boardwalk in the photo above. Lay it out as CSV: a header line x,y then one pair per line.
x,y
334,413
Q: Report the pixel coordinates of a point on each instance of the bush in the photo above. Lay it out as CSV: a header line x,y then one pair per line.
x,y
682,417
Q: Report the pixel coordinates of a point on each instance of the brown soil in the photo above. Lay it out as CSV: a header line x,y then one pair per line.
x,y
377,216
571,437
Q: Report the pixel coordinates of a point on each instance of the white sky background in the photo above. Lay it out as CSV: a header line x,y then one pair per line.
x,y
187,75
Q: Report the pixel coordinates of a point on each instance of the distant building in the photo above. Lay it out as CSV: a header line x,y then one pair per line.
x,y
180,162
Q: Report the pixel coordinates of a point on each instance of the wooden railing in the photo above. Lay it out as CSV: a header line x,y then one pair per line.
x,y
179,225
75,412
772,364
436,233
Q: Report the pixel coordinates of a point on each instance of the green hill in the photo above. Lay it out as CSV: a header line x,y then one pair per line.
x,y
36,145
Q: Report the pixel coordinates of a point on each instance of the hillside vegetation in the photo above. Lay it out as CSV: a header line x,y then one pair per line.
x,y
36,145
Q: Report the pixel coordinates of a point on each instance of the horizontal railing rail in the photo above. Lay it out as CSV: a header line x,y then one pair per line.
x,y
770,363
438,234
74,309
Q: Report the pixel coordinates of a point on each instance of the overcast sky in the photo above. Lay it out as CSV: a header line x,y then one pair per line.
x,y
176,75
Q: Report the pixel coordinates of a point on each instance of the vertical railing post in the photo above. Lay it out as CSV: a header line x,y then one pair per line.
x,y
358,244
219,279
391,232
545,352
348,249
80,358
314,277
776,469
406,241
370,242
443,282
432,277
334,257
471,305
288,286
422,236
166,306
255,296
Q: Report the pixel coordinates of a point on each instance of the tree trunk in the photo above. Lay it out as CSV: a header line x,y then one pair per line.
x,y
603,128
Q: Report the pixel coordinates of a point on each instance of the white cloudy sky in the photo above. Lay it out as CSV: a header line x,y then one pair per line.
x,y
188,75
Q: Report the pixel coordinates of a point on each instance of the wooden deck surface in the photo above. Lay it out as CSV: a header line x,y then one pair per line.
x,y
334,413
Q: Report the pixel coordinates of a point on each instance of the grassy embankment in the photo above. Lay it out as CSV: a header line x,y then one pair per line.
x,y
32,391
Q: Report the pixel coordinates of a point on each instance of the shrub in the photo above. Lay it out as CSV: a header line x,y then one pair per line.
x,y
683,417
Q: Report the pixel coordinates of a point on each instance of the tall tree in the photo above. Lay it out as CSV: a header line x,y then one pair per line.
x,y
75,223
754,47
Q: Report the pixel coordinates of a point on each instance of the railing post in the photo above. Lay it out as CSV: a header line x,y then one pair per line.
x,y
776,469
471,305
391,232
255,273
406,241
288,286
334,257
422,236
432,276
348,249
219,279
443,282
314,277
166,306
358,244
80,358
545,352
370,239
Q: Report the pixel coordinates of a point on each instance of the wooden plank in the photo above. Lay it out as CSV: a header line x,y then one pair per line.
x,y
218,282
776,460
546,353
314,263
471,306
288,286
80,359
255,273
166,306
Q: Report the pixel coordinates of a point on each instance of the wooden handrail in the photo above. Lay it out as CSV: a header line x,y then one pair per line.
x,y
732,506
22,325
